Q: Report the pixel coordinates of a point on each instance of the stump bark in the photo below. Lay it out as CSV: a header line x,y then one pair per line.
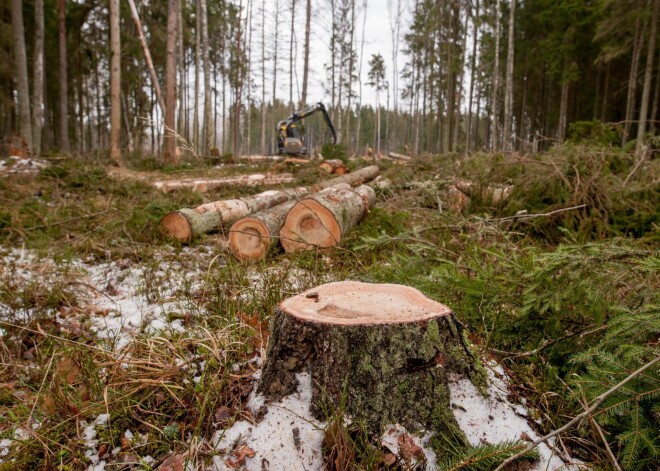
x,y
323,219
187,223
383,350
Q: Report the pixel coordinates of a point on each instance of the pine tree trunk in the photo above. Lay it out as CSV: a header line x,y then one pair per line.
x,y
208,118
632,81
508,92
656,100
170,155
473,66
115,84
384,351
308,21
563,111
63,80
495,96
20,58
198,40
263,78
181,66
292,33
648,77
38,77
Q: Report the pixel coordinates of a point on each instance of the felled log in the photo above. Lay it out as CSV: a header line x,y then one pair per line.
x,y
396,156
354,178
187,223
203,185
335,166
250,238
323,219
384,350
296,160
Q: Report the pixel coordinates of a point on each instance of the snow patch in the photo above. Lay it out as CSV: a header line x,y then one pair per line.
x,y
288,437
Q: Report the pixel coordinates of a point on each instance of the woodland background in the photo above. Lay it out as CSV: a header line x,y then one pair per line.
x,y
467,75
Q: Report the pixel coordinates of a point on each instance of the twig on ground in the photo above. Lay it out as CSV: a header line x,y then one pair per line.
x,y
86,216
535,215
610,455
549,343
597,402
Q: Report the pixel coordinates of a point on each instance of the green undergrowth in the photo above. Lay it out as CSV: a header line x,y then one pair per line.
x,y
567,302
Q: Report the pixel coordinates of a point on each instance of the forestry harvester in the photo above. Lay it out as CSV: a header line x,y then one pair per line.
x,y
291,133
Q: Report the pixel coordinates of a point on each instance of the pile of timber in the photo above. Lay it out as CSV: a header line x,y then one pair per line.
x,y
203,185
335,166
269,210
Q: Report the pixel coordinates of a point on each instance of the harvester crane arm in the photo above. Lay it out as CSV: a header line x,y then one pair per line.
x,y
290,140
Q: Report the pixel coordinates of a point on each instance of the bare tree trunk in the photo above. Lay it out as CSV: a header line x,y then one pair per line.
x,y
475,33
115,84
170,156
293,18
38,77
208,118
198,33
263,78
147,55
359,105
181,65
632,80
648,77
64,81
508,92
494,122
23,92
656,99
308,20
237,94
563,112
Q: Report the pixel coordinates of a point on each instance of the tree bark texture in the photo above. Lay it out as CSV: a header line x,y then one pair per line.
x,y
208,119
323,219
185,224
648,77
495,95
20,59
147,56
252,237
508,91
115,84
308,21
38,77
203,185
63,79
385,350
170,155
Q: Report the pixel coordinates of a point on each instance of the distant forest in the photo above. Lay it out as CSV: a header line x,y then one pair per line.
x,y
103,76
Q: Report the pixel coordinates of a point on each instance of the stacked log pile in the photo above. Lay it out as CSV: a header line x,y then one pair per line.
x,y
259,221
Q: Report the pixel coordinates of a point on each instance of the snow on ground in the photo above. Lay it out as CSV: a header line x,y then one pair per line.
x,y
14,165
495,419
287,437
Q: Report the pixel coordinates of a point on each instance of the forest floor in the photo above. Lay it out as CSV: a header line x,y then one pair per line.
x,y
121,349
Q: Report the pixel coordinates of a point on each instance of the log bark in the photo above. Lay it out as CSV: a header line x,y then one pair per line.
x,y
187,223
354,178
396,156
323,219
384,350
206,184
335,166
251,238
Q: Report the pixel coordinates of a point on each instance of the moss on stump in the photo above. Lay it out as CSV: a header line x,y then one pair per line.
x,y
385,349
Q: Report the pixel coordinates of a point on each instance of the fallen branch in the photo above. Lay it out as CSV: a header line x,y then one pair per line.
x,y
597,402
535,215
66,221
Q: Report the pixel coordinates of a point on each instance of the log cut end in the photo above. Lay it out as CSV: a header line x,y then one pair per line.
x,y
310,224
249,239
352,303
177,226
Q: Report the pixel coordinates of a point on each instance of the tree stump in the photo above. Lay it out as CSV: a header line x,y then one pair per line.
x,y
384,350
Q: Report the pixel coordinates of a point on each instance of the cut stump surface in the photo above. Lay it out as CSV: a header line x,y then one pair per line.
x,y
385,349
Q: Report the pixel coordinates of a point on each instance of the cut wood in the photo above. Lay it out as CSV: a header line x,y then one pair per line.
x,y
335,166
384,350
205,184
396,156
250,238
354,178
187,223
296,160
323,219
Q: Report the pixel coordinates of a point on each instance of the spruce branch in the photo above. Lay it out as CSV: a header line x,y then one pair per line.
x,y
597,402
